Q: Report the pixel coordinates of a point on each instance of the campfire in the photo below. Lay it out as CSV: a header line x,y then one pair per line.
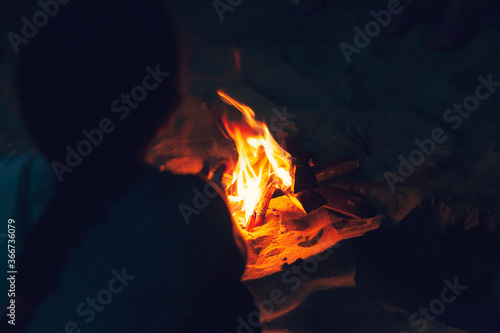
x,y
278,199
263,167
287,206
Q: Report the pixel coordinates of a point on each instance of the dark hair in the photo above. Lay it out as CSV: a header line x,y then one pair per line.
x,y
89,54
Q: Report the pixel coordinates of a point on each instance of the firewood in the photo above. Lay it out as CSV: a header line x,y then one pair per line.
x,y
259,214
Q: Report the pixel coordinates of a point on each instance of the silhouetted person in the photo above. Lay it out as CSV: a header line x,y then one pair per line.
x,y
104,244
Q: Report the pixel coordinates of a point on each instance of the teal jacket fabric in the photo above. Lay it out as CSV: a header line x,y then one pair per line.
x,y
138,271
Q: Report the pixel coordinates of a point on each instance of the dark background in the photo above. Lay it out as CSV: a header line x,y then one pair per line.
x,y
371,110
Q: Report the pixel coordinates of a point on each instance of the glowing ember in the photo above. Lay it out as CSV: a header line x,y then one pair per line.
x,y
262,165
237,58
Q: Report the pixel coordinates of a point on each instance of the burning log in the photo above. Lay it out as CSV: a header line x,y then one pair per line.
x,y
346,202
334,168
311,200
304,177
259,214
261,161
307,177
263,166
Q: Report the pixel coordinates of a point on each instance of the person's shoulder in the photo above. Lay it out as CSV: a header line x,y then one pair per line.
x,y
187,180
24,162
198,202
184,186
25,176
14,160
176,187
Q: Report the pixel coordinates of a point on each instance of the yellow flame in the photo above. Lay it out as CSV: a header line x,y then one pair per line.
x,y
260,158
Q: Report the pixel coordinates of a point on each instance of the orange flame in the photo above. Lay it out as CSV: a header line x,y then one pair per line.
x,y
237,58
261,161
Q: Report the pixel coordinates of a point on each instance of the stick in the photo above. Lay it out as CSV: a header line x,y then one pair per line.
x,y
259,213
